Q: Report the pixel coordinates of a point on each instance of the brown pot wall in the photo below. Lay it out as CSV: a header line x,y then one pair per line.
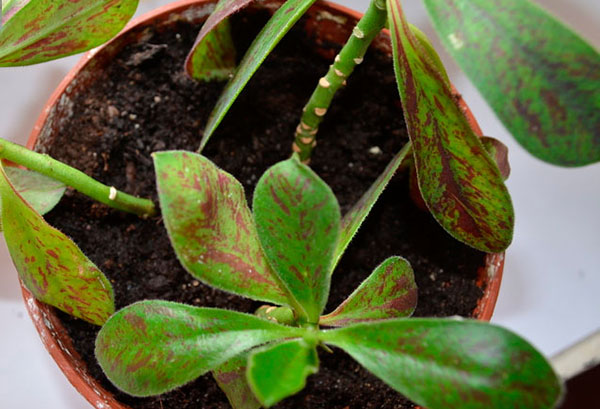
x,y
326,28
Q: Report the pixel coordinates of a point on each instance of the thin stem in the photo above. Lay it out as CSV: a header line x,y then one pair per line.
x,y
349,57
78,180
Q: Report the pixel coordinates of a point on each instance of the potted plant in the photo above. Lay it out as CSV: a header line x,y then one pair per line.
x,y
411,55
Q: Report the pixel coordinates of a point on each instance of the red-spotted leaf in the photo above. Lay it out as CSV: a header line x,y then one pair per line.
x,y
278,371
458,180
35,31
214,57
151,347
542,79
298,222
211,228
389,292
283,19
352,220
231,378
499,152
223,9
50,265
41,192
452,364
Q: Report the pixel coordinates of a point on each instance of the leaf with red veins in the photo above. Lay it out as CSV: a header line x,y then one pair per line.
x,y
211,228
298,222
34,31
459,182
50,265
389,292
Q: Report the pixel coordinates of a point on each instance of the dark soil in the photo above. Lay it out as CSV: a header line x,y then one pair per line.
x,y
143,103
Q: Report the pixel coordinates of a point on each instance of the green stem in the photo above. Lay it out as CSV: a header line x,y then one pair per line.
x,y
78,180
351,55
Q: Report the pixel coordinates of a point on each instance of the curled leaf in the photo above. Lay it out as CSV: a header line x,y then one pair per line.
x,y
51,266
389,292
41,192
499,152
214,57
231,378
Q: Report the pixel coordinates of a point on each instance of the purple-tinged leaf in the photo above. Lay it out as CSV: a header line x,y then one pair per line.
x,y
278,371
214,57
231,378
540,78
35,31
279,24
389,292
352,220
298,222
211,228
499,152
459,182
151,347
452,364
41,192
222,11
50,265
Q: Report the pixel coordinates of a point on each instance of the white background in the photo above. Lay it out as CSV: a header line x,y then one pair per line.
x,y
551,282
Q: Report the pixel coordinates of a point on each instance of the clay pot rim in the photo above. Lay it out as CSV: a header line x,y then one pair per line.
x,y
43,316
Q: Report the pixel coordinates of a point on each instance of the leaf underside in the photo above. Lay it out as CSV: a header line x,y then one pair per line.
x,y
41,192
214,57
34,31
151,347
298,222
211,228
279,24
389,292
452,364
50,265
458,180
231,378
278,371
540,78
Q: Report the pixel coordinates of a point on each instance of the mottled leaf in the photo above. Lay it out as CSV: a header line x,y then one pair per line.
x,y
452,364
151,347
279,24
211,228
41,192
276,372
434,58
35,31
214,57
223,9
298,222
352,220
389,292
51,266
458,180
499,152
231,378
542,80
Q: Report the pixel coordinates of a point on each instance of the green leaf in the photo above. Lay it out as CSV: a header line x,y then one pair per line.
x,y
276,372
283,19
151,347
352,220
214,57
435,60
211,228
499,152
223,9
35,31
389,292
459,182
447,364
231,378
51,266
298,222
542,79
41,192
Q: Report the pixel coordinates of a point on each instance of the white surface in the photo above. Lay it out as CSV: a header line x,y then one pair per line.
x,y
551,278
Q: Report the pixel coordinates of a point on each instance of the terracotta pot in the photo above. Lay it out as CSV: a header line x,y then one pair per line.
x,y
328,22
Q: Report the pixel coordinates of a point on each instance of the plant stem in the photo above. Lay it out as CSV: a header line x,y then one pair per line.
x,y
78,180
351,55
